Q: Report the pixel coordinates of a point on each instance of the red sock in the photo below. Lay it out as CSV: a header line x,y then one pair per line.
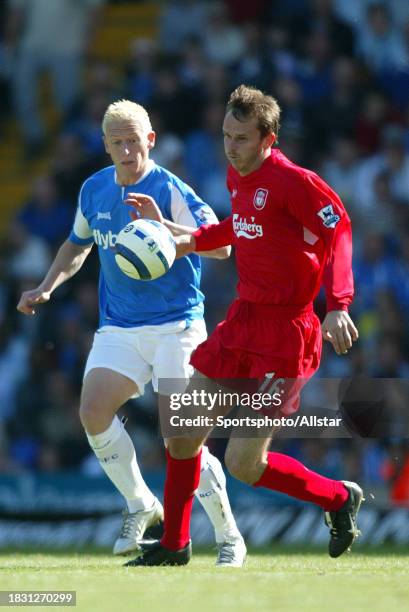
x,y
289,476
182,480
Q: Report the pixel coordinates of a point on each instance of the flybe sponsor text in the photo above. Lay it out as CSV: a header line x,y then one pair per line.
x,y
106,241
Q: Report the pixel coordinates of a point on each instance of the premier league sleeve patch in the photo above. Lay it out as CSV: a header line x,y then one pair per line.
x,y
328,216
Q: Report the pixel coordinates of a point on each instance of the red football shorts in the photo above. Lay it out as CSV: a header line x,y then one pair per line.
x,y
259,339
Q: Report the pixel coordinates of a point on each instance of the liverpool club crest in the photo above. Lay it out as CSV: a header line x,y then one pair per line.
x,y
260,198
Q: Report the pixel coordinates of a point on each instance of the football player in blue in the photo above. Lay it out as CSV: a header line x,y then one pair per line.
x,y
147,330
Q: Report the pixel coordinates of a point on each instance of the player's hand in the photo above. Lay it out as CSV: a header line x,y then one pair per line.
x,y
30,298
145,207
339,329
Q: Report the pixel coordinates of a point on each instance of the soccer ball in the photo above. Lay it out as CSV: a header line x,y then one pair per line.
x,y
145,249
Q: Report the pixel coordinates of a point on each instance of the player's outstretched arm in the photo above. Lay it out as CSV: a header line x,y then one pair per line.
x,y
185,245
339,329
67,262
146,208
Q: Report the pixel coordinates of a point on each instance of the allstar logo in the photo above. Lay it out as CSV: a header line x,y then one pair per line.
x,y
260,198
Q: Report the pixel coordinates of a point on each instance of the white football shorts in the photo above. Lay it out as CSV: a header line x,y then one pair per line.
x,y
147,353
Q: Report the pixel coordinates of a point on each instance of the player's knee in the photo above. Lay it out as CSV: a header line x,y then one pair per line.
x,y
90,414
183,448
239,467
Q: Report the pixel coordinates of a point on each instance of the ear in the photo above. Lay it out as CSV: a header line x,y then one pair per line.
x,y
151,140
269,140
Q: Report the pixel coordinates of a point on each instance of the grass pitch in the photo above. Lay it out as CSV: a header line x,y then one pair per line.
x,y
275,579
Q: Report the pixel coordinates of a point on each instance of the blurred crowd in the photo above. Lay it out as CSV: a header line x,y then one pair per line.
x,y
340,71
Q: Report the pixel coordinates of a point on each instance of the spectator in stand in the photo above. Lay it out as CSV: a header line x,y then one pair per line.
x,y
321,16
381,216
202,147
340,170
179,107
335,116
14,353
400,281
314,70
70,165
294,118
223,42
373,458
279,54
192,66
140,71
374,270
396,161
243,11
391,158
29,256
351,12
216,83
391,322
390,362
375,113
253,66
379,42
51,36
205,162
179,20
87,126
46,214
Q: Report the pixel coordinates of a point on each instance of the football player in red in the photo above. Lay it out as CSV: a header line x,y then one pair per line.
x,y
291,234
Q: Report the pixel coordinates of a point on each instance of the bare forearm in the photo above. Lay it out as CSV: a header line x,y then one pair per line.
x,y
185,245
67,262
177,229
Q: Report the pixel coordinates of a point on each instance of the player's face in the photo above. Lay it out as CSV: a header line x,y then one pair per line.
x,y
244,146
128,143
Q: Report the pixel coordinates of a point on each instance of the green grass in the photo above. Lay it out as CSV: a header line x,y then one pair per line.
x,y
277,579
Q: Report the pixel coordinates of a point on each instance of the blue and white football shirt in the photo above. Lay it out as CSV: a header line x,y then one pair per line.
x,y
101,214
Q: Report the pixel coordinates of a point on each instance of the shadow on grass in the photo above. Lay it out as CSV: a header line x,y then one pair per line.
x,y
273,550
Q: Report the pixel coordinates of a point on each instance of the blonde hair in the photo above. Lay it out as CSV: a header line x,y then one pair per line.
x,y
246,102
126,110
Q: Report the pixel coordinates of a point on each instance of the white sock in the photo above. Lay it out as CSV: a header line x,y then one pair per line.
x,y
212,494
116,454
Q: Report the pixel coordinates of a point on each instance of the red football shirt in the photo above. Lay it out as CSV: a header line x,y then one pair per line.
x,y
290,231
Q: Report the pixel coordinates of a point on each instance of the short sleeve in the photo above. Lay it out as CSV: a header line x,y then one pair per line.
x,y
81,232
190,210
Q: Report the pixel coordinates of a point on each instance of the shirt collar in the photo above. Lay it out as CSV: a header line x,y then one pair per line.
x,y
149,167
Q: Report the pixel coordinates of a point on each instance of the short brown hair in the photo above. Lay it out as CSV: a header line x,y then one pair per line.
x,y
248,102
